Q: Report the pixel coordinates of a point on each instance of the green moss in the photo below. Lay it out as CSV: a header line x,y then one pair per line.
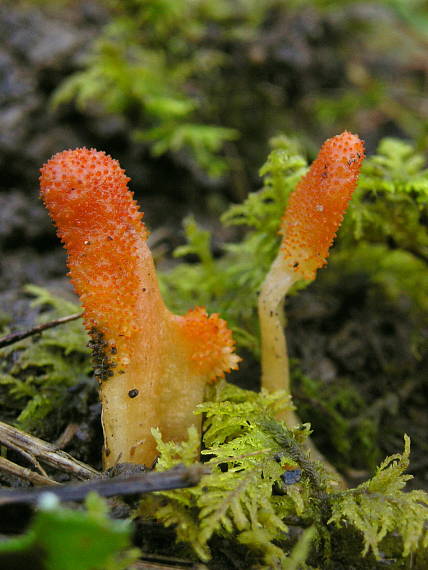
x,y
391,201
337,410
36,373
379,507
246,459
383,236
245,498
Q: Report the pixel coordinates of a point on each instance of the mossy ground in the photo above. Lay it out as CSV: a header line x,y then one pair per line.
x,y
358,335
348,420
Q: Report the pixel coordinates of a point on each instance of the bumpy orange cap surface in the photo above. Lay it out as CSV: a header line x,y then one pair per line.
x,y
100,226
315,209
99,222
153,365
214,353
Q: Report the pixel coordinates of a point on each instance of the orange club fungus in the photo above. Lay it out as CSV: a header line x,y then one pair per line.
x,y
314,213
152,365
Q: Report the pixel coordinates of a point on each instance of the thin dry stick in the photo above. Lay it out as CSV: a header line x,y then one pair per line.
x,y
20,335
45,452
24,473
29,457
179,477
171,561
66,436
168,564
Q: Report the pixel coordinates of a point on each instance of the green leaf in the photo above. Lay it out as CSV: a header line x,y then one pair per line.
x,y
68,539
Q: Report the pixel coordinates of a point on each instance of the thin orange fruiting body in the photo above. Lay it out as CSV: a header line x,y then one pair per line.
x,y
100,226
152,365
314,212
315,209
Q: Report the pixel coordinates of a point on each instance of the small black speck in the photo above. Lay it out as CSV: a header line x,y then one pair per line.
x,y
113,350
296,264
107,452
110,238
144,289
133,393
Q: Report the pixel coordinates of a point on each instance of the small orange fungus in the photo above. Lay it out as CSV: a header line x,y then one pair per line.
x,y
313,215
152,365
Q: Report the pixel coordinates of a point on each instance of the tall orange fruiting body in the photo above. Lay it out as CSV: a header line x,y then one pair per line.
x,y
313,215
316,208
152,365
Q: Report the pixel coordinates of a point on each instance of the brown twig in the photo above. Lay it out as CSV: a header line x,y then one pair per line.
x,y
20,335
143,565
179,477
28,456
24,473
66,436
148,565
34,447
159,562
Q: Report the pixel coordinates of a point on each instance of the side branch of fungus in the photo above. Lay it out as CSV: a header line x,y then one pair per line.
x,y
314,213
152,366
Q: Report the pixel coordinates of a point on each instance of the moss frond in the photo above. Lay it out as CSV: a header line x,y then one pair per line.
x,y
379,507
37,372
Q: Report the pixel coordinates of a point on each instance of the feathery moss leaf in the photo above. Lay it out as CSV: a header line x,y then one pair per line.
x,y
378,507
37,372
247,461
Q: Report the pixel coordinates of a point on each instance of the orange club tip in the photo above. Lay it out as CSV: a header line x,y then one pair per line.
x,y
87,196
316,207
85,188
210,342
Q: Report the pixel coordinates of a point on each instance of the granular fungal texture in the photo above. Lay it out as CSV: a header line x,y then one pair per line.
x,y
100,226
315,209
214,354
140,347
